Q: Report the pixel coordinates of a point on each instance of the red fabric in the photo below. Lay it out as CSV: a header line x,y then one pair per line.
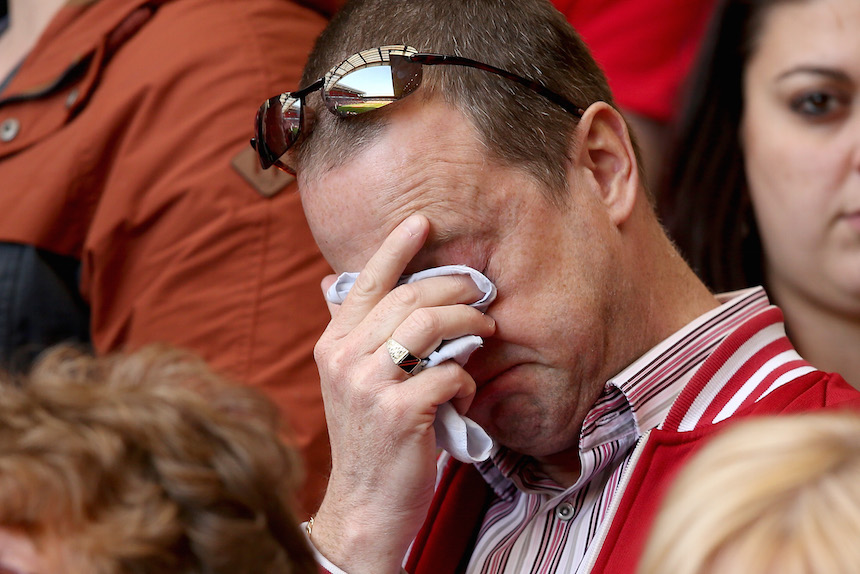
x,y
135,178
717,360
645,47
667,452
453,520
664,455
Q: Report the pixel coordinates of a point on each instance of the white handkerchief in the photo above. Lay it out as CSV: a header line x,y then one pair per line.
x,y
459,435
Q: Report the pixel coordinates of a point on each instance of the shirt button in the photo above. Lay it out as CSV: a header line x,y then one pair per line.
x,y
9,129
564,511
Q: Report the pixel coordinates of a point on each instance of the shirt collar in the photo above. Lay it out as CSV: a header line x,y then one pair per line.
x,y
652,383
635,400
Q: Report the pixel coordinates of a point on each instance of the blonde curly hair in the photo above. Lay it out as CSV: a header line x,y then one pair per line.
x,y
147,463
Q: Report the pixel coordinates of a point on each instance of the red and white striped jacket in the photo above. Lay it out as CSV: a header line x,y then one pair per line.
x,y
753,371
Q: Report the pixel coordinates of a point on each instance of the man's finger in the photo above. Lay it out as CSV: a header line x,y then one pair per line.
x,y
423,307
382,271
325,284
426,328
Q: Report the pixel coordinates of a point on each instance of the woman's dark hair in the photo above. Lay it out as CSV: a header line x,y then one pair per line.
x,y
704,200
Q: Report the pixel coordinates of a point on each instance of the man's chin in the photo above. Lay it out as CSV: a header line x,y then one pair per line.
x,y
508,425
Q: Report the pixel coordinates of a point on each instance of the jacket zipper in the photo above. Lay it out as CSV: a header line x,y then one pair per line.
x,y
597,544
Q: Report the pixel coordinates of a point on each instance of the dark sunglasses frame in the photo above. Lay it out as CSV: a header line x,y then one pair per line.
x,y
378,56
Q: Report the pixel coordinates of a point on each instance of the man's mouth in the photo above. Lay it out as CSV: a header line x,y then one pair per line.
x,y
484,377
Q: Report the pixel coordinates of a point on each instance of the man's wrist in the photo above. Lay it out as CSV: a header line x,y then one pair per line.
x,y
319,546
307,527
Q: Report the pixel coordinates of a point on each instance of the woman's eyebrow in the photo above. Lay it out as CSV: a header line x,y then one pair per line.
x,y
831,73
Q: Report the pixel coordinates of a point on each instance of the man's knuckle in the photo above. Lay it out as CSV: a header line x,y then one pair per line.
x,y
425,321
321,349
339,358
407,296
367,282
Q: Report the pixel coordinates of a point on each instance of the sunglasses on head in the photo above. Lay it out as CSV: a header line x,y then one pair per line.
x,y
362,83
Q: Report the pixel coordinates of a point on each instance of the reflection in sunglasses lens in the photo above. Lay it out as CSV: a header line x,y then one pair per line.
x,y
292,118
281,125
362,90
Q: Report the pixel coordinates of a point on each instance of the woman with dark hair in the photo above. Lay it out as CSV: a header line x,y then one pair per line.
x,y
763,186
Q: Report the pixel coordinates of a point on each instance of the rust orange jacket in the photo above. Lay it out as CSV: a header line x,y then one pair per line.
x,y
124,144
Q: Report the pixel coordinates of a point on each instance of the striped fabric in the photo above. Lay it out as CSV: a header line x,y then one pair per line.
x,y
536,526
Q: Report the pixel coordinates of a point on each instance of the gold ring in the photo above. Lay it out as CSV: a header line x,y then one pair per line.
x,y
403,358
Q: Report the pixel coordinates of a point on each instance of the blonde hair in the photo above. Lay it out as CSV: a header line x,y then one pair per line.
x,y
773,494
147,463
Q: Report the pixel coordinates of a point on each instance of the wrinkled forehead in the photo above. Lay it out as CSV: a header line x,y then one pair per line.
x,y
428,159
348,221
353,225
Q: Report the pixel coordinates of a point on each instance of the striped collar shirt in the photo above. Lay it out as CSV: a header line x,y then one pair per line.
x,y
535,525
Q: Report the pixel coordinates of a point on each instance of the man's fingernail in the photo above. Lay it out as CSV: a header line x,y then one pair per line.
x,y
413,225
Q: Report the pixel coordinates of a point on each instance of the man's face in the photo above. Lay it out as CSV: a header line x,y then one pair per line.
x,y
543,369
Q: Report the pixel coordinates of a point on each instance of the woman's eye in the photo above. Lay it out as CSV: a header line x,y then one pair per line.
x,y
817,104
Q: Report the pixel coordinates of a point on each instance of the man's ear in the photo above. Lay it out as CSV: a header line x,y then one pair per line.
x,y
603,154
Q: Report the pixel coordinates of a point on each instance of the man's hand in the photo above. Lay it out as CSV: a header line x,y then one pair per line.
x,y
380,419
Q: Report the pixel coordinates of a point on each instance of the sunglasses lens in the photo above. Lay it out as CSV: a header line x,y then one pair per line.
x,y
278,126
371,87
